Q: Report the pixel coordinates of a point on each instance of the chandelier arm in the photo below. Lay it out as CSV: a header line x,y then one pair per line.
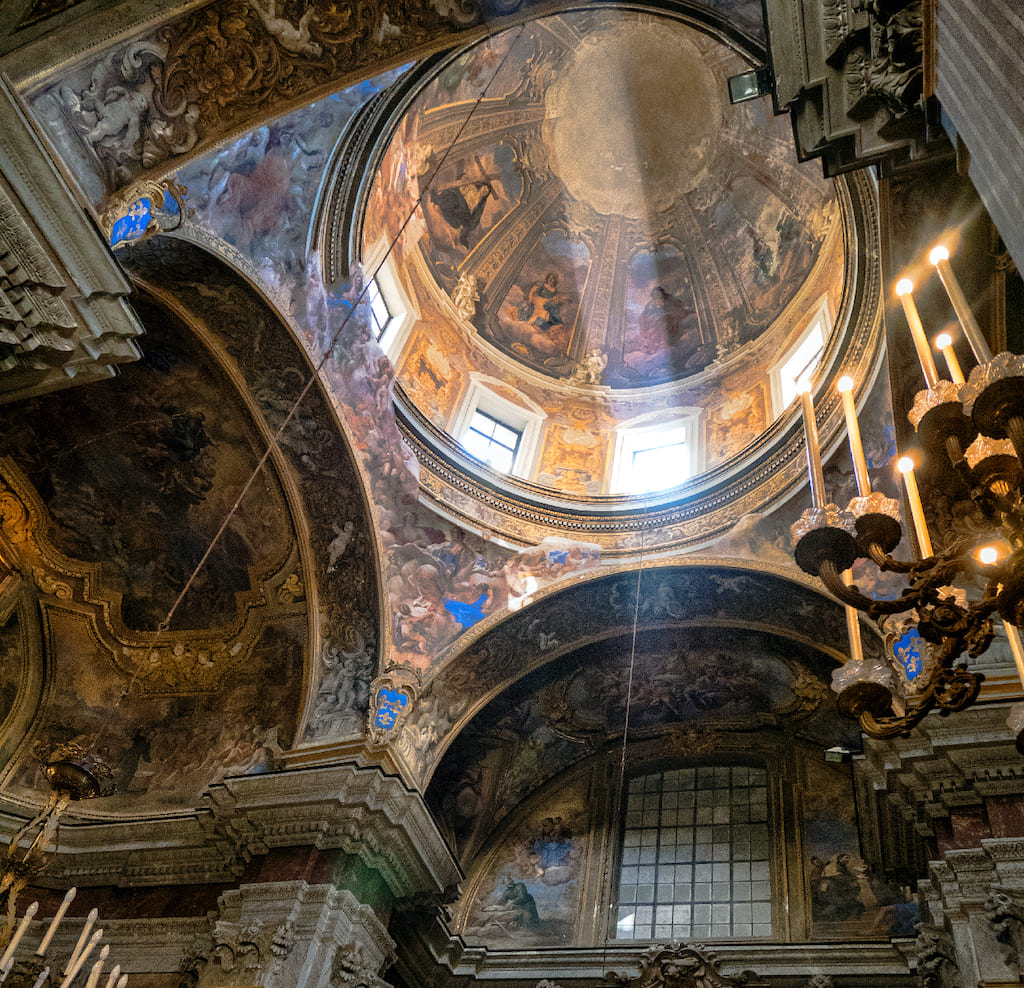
x,y
829,575
884,728
886,562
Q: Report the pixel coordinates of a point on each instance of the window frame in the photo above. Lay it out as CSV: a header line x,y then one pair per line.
x,y
636,435
776,871
523,419
821,321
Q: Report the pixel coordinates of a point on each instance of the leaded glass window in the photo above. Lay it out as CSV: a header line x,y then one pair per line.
x,y
695,856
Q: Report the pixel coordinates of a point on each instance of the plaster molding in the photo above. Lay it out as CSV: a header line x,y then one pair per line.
x,y
369,815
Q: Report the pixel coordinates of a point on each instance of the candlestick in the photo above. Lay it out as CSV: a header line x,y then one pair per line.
x,y
852,623
813,452
69,975
939,256
906,467
860,464
945,343
55,922
905,291
18,934
94,974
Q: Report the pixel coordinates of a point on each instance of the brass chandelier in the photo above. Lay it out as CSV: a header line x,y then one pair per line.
x,y
950,597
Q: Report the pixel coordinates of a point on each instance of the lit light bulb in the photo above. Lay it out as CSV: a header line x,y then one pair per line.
x,y
988,555
844,384
904,287
943,340
939,253
905,464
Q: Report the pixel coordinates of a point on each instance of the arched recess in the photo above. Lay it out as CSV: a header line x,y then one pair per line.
x,y
697,595
316,450
123,485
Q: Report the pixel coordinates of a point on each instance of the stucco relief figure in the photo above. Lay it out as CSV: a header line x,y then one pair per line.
x,y
465,296
590,368
121,116
292,37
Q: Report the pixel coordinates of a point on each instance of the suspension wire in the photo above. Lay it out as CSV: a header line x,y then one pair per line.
x,y
625,720
164,625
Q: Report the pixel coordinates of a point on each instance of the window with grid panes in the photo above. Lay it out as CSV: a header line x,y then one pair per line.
x,y
493,441
695,855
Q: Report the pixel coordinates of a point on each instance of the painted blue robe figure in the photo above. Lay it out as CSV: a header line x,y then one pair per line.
x,y
544,304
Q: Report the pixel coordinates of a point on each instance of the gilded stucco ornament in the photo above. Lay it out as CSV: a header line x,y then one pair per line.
x,y
684,965
142,210
161,96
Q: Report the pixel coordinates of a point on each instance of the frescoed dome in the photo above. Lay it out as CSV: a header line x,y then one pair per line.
x,y
589,230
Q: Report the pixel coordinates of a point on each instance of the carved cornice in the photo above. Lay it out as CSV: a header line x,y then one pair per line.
x,y
64,316
945,763
365,813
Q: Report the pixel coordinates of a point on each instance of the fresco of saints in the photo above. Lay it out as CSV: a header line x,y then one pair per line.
x,y
665,321
543,306
462,202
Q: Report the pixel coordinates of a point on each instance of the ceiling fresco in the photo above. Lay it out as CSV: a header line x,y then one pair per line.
x,y
170,91
700,594
580,213
703,678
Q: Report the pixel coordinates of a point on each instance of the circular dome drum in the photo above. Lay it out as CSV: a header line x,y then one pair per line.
x,y
601,264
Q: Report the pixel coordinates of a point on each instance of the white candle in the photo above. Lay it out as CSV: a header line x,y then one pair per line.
x,y
68,899
853,624
906,467
813,452
122,981
939,256
945,343
1013,637
114,975
94,974
41,980
89,920
860,464
69,975
905,290
19,933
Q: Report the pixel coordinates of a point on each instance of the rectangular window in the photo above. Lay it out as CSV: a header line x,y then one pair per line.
x,y
794,373
659,466
492,441
706,871
379,311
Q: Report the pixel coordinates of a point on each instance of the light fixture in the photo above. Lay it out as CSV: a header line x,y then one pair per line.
x,y
952,595
73,773
38,970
